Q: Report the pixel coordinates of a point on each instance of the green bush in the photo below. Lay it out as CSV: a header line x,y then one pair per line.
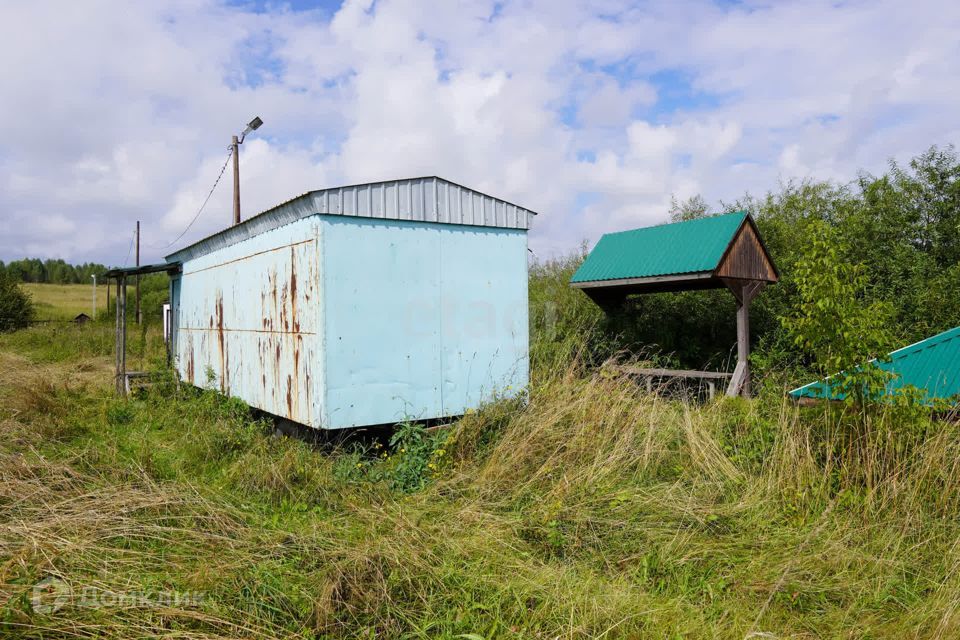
x,y
16,308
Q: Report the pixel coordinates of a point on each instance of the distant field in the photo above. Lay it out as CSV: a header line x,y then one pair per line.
x,y
65,301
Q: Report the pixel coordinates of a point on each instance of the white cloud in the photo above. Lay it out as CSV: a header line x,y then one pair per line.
x,y
592,113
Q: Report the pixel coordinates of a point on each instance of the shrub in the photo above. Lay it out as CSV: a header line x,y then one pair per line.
x,y
16,308
834,324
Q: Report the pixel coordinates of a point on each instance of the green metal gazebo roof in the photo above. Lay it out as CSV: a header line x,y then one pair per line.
x,y
931,365
692,246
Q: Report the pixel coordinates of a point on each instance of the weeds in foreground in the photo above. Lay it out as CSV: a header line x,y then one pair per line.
x,y
592,509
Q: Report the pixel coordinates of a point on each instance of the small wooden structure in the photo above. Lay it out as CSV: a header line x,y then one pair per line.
x,y
81,319
122,376
649,375
723,251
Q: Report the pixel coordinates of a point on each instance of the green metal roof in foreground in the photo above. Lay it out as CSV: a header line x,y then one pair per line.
x,y
692,246
931,365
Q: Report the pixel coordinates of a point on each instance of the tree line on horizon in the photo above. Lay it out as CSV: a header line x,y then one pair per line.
x,y
51,271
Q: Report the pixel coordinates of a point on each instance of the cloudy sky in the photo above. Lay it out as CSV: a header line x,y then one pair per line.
x,y
592,113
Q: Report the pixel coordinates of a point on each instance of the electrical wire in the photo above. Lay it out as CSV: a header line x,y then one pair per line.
x,y
133,237
202,206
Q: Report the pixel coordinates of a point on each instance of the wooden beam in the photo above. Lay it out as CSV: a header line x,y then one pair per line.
x,y
743,341
122,337
674,373
624,282
116,342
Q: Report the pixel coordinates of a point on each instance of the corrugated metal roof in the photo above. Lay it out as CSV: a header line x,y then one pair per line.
x,y
427,199
691,246
932,365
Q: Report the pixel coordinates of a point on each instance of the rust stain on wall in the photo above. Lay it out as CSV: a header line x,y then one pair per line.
x,y
224,361
271,357
289,399
293,290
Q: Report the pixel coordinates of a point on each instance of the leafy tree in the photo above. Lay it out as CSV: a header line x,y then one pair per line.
x,y
834,325
16,308
689,209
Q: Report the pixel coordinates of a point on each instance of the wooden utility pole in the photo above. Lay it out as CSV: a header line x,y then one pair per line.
x,y
138,276
235,143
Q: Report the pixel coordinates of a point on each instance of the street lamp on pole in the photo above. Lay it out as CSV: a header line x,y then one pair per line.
x,y
235,143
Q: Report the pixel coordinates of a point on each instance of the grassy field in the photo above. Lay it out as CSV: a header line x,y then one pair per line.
x,y
595,510
65,301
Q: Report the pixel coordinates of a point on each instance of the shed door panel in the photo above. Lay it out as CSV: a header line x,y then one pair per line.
x,y
382,327
484,316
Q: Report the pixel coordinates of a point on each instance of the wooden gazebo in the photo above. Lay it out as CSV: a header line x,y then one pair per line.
x,y
723,251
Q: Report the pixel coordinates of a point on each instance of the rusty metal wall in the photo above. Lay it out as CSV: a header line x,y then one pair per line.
x,y
247,321
342,321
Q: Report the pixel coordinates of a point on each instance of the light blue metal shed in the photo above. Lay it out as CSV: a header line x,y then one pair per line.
x,y
360,305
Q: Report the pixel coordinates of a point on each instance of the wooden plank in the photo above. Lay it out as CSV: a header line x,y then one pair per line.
x,y
674,373
623,282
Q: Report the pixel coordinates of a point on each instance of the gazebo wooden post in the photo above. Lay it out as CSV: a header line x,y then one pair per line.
x,y
744,291
116,338
743,341
121,336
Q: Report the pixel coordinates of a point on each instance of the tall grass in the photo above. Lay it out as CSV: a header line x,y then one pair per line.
x,y
594,509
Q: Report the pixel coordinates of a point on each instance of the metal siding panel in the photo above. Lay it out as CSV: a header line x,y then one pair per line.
x,y
443,202
453,198
431,199
484,322
393,201
381,199
382,330
431,202
248,314
456,206
468,207
403,203
416,201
